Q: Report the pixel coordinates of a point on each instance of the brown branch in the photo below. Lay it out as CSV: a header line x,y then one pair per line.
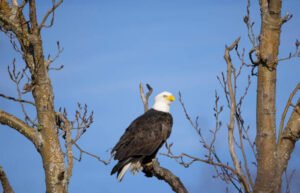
x,y
156,170
16,100
21,127
290,136
232,93
242,130
33,15
50,11
5,182
287,106
165,175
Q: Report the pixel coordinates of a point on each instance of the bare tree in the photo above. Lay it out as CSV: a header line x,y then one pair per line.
x,y
44,130
273,146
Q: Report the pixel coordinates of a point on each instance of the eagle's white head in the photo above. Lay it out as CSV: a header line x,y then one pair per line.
x,y
162,101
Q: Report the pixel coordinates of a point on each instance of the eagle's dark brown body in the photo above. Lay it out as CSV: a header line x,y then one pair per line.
x,y
142,139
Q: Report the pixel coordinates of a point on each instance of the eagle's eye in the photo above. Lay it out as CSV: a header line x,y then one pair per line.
x,y
165,96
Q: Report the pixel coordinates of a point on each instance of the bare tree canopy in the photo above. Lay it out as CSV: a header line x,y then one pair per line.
x,y
236,117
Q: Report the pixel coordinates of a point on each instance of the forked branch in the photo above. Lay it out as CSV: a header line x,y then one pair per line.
x,y
50,12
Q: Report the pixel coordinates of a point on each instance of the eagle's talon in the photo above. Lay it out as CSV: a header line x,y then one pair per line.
x,y
149,164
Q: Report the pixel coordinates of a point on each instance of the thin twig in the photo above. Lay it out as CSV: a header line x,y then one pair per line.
x,y
82,151
250,24
292,55
17,100
51,60
50,11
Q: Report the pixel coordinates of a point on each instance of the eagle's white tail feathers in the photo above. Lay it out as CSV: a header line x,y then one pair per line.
x,y
123,171
135,167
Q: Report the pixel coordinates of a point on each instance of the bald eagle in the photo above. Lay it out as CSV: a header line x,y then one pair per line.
x,y
144,137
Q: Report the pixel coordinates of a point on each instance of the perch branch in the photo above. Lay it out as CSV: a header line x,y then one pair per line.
x,y
165,175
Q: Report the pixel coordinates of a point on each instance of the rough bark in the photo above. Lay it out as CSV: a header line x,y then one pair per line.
x,y
266,101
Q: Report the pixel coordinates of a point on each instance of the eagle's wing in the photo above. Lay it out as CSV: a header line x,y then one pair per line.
x,y
144,136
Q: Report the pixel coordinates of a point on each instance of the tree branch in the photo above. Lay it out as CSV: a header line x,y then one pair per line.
x,y
165,175
32,14
82,151
290,136
156,170
50,11
21,127
232,115
287,106
5,182
16,100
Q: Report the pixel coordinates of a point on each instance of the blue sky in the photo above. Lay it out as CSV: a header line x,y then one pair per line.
x,y
112,46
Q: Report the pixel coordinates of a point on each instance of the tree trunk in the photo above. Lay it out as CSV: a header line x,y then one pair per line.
x,y
266,98
53,158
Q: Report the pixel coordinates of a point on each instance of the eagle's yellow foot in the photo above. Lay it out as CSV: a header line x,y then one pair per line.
x,y
149,164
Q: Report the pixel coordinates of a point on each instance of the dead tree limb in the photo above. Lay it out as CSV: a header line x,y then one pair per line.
x,y
232,95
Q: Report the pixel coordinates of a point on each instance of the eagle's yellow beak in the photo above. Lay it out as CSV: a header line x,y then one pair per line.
x,y
171,98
